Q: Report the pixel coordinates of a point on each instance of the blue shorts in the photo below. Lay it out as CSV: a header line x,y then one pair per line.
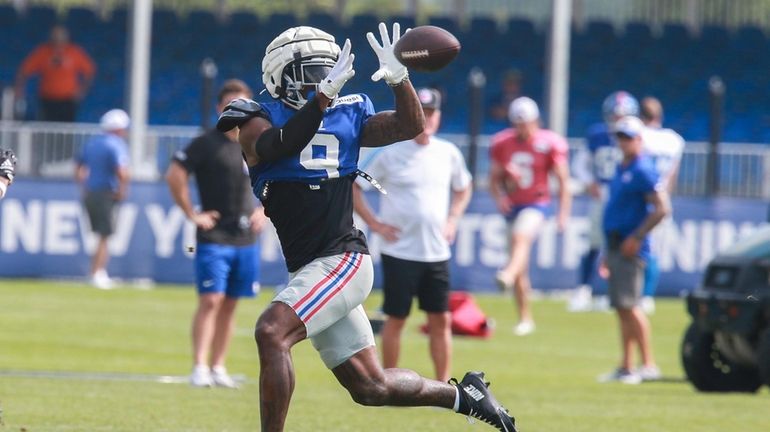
x,y
231,270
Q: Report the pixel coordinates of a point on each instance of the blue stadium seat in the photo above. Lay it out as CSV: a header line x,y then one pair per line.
x,y
484,27
675,35
201,21
8,15
364,23
243,20
520,27
81,17
43,17
600,32
713,39
324,22
674,66
406,22
638,32
280,22
750,36
164,21
366,60
448,24
119,19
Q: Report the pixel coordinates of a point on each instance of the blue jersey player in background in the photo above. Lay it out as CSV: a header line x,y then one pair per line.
x,y
664,146
596,168
302,152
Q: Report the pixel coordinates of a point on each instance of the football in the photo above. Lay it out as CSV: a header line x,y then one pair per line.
x,y
426,48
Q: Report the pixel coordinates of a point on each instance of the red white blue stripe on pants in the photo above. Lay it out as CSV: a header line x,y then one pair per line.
x,y
328,287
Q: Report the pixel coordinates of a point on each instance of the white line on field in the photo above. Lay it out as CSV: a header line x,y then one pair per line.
x,y
105,376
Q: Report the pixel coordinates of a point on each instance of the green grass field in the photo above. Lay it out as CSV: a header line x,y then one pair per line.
x,y
548,379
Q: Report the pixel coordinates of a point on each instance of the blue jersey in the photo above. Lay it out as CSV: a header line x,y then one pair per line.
x,y
333,151
605,154
309,196
627,206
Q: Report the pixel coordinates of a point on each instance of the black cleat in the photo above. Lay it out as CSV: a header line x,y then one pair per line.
x,y
477,402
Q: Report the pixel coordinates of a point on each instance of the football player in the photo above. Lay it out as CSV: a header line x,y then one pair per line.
x,y
664,147
596,167
302,151
7,170
521,158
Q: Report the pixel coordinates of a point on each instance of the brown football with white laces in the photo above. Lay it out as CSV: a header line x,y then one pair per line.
x,y
426,48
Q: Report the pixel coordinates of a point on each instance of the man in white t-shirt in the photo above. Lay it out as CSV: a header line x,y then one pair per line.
x,y
664,147
428,188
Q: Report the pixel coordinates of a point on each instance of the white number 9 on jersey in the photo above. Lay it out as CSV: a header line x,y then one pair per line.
x,y
329,162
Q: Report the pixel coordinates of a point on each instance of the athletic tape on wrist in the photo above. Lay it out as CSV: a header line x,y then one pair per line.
x,y
403,80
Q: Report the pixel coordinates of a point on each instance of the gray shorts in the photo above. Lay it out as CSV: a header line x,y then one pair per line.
x,y
326,294
626,280
100,206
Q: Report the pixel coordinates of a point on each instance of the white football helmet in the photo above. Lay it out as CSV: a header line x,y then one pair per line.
x,y
298,58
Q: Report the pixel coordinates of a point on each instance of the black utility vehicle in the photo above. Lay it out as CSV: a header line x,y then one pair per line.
x,y
727,346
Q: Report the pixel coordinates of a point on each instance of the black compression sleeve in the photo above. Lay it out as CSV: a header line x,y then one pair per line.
x,y
277,143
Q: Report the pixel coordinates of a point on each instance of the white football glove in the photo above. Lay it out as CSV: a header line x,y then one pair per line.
x,y
340,73
390,68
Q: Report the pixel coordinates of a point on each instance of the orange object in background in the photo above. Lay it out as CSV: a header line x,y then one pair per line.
x,y
60,69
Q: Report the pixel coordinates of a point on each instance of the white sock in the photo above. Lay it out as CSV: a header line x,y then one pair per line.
x,y
219,370
201,368
456,407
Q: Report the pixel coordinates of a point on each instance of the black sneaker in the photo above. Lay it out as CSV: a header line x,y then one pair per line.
x,y
476,401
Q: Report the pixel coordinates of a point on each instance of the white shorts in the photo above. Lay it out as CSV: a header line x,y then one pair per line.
x,y
326,294
529,220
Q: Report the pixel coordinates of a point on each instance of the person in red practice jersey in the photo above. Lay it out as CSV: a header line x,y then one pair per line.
x,y
522,157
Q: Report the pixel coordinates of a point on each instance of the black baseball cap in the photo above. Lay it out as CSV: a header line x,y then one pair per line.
x,y
429,98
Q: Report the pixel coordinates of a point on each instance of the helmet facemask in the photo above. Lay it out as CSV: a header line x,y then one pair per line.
x,y
295,62
301,77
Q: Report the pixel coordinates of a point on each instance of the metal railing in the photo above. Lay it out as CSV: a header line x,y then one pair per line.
x,y
48,150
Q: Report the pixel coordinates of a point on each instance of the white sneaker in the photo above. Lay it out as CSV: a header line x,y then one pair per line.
x,y
649,373
201,377
102,280
524,328
621,375
221,379
648,305
580,300
601,303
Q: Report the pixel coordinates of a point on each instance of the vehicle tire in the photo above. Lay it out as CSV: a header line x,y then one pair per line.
x,y
763,356
709,370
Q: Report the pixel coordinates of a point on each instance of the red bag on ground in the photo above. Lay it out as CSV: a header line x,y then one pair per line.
x,y
467,317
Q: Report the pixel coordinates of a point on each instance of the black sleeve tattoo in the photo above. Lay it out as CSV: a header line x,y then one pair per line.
x,y
388,127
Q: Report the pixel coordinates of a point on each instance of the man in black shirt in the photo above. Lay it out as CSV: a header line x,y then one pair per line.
x,y
226,257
